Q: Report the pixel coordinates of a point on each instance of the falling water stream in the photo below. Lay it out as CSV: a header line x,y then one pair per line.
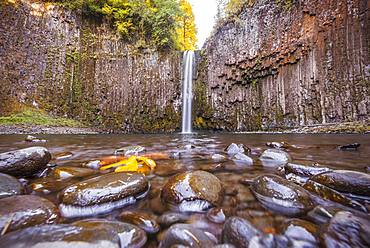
x,y
187,95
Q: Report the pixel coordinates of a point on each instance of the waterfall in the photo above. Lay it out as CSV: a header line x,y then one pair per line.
x,y
187,94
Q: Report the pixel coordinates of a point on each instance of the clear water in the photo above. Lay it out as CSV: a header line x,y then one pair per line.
x,y
238,200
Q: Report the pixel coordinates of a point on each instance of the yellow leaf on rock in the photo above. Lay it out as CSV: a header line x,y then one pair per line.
x,y
148,162
131,161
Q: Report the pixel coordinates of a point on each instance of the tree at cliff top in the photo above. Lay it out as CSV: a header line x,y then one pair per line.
x,y
186,32
145,22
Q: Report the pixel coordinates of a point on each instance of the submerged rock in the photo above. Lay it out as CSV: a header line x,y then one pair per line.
x,y
347,230
218,157
234,149
63,172
276,156
129,235
242,158
22,211
239,232
62,235
170,218
31,138
130,150
140,219
349,147
301,232
24,162
345,181
193,191
280,195
63,155
332,195
49,185
102,194
304,170
183,235
277,145
9,186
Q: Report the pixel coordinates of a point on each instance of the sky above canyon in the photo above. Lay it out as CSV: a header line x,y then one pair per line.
x,y
204,12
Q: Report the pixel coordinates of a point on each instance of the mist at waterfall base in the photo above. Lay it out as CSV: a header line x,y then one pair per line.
x,y
187,94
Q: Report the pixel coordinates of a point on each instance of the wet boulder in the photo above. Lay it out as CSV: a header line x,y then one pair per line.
x,y
129,235
63,172
304,170
130,150
332,195
280,195
236,148
34,139
278,145
140,219
24,162
180,235
242,159
347,230
275,156
62,235
22,211
353,182
349,147
9,186
239,232
301,232
194,191
170,218
102,194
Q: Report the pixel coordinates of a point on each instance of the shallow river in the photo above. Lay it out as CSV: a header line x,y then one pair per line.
x,y
196,151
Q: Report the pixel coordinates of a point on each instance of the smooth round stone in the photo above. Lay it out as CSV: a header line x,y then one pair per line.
x,y
234,149
304,170
301,231
216,215
63,155
280,195
167,219
63,172
242,158
345,181
276,156
102,194
62,236
26,210
9,186
24,162
239,232
130,150
129,235
140,219
186,235
348,230
193,191
49,185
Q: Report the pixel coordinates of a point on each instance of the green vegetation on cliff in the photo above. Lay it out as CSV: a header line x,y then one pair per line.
x,y
31,116
145,22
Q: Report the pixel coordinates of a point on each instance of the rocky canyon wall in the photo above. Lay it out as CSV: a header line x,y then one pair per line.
x,y
75,66
275,66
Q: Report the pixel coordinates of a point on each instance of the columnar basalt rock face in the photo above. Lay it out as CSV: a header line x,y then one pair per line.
x,y
274,67
76,66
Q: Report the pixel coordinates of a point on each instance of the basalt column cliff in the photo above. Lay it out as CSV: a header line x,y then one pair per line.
x,y
77,66
276,66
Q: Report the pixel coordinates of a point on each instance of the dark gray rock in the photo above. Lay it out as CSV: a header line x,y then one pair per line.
x,y
193,191
239,232
186,235
24,162
9,186
102,194
22,211
280,195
